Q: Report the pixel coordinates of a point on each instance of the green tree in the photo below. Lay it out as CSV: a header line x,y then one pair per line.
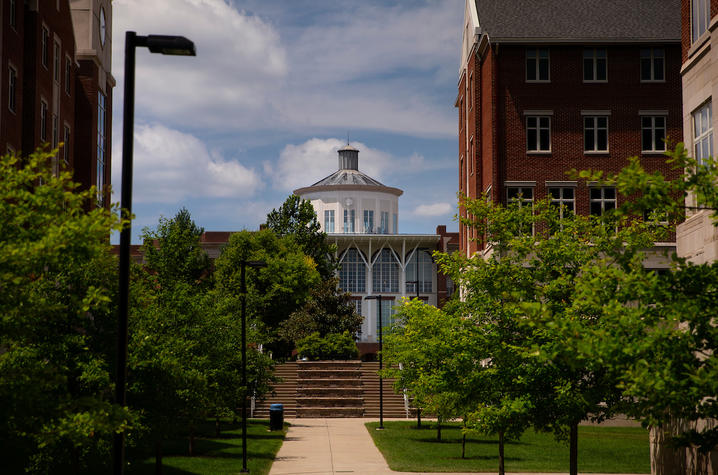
x,y
328,310
58,325
296,217
273,292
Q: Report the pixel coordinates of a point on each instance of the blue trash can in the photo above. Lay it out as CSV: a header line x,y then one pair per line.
x,y
276,416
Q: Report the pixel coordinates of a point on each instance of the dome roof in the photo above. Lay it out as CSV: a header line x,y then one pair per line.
x,y
348,177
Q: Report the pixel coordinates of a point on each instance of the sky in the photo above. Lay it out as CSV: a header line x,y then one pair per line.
x,y
275,89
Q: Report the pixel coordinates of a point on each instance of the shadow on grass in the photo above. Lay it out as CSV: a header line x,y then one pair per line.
x,y
468,441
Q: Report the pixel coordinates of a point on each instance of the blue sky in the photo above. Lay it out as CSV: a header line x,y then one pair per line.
x,y
273,92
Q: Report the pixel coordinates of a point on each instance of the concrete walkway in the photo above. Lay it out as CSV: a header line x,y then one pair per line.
x,y
334,446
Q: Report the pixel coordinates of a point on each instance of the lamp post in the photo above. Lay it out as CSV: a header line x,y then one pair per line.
x,y
243,290
171,45
381,361
416,284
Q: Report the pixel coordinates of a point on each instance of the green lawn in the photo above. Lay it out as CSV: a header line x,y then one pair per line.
x,y
213,455
600,449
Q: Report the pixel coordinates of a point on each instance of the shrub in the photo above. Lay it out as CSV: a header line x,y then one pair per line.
x,y
334,346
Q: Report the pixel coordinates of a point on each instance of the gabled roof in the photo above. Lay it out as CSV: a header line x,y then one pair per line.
x,y
600,21
347,177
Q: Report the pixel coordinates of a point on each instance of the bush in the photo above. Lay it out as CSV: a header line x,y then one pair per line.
x,y
334,346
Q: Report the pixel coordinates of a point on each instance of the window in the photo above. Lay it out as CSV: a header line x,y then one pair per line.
x,y
523,195
703,133
68,75
653,133
537,64
329,221
352,272
565,199
700,17
356,303
602,199
13,13
45,47
395,221
595,134
384,223
385,272
387,314
349,220
426,272
12,89
43,121
652,64
538,134
55,131
594,65
101,115
66,146
368,221
56,62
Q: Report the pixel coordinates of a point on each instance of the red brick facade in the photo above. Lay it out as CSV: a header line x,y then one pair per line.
x,y
495,98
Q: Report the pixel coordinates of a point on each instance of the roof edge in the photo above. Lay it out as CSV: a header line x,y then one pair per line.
x,y
383,189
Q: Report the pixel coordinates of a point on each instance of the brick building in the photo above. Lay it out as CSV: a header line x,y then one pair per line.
x,y
546,87
56,85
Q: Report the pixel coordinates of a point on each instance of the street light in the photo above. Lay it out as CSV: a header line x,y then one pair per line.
x,y
171,45
381,361
416,283
256,265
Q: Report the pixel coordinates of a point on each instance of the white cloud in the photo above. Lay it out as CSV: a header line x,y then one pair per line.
x,y
306,163
436,209
170,166
239,64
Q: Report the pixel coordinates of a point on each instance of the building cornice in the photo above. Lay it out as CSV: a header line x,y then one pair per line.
x,y
380,189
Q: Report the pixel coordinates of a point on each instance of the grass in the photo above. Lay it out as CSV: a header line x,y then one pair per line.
x,y
215,455
600,449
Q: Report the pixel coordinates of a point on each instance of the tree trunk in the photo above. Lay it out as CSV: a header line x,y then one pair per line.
x,y
190,448
216,427
438,428
158,457
573,449
501,453
418,418
665,459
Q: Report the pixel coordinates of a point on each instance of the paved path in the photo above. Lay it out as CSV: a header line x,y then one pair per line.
x,y
332,447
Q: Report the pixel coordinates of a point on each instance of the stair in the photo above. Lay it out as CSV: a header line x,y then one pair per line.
x,y
285,392
329,389
393,402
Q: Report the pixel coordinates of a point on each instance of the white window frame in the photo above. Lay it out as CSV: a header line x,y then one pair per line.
x,y
702,119
45,47
43,120
538,127
12,89
601,199
66,144
13,14
349,219
592,55
649,57
352,273
565,203
68,75
520,196
385,272
328,220
384,222
649,123
56,60
591,124
426,272
534,54
369,221
700,18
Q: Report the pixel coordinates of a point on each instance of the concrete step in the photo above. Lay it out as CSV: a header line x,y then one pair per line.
x,y
328,374
328,383
304,402
330,392
339,364
330,412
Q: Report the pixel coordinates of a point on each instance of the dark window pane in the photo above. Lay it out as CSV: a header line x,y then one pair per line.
x,y
601,69
543,69
544,122
609,193
602,140
588,69
543,53
609,205
528,193
545,140
555,192
595,193
660,136
531,138
602,122
568,193
646,139
645,53
588,139
512,193
658,69
646,122
531,121
646,69
530,69
568,206
596,208
660,122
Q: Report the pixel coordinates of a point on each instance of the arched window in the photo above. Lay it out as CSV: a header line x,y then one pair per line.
x,y
426,272
385,272
352,275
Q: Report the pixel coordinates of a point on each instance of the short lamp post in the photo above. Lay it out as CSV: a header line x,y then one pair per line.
x,y
243,290
381,360
171,45
416,284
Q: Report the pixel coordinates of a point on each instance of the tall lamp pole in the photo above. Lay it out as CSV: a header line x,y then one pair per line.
x,y
381,361
256,265
416,284
171,45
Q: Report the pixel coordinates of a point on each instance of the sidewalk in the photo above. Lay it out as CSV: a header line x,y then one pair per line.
x,y
334,446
